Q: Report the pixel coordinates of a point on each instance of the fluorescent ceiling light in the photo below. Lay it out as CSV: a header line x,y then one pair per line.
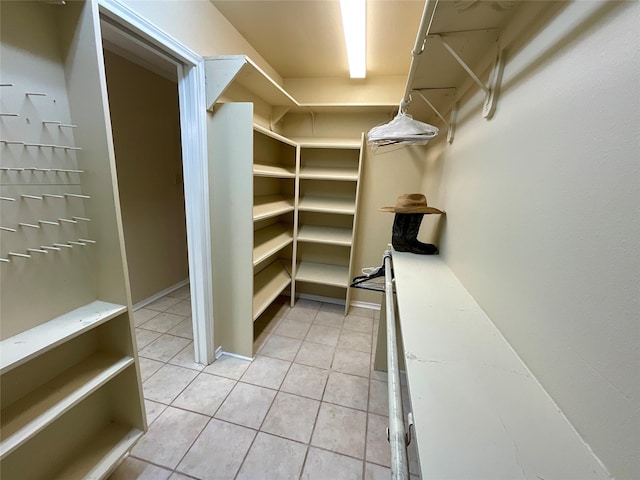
x,y
353,24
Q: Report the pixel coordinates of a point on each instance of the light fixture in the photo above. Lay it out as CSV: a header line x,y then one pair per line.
x,y
354,14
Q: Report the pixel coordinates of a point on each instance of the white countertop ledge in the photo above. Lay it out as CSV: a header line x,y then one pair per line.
x,y
479,413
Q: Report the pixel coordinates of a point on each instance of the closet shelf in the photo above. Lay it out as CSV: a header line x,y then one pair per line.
x,y
343,143
262,170
224,73
16,350
267,285
102,452
270,240
329,173
323,274
28,415
327,204
326,235
267,206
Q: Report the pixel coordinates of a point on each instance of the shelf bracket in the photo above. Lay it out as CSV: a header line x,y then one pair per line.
x,y
491,90
277,113
451,124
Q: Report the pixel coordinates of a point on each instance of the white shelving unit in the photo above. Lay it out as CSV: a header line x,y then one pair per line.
x,y
327,204
70,394
290,204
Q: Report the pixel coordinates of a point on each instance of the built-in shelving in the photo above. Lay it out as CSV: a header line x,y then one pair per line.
x,y
326,235
23,347
71,401
329,173
268,284
270,240
99,455
323,274
274,171
271,206
25,417
327,204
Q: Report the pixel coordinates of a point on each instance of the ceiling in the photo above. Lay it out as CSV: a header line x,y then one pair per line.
x,y
303,38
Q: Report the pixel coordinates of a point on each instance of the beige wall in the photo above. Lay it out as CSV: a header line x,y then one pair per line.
x,y
543,216
146,132
201,27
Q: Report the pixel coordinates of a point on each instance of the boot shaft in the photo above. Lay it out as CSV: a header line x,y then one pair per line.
x,y
405,232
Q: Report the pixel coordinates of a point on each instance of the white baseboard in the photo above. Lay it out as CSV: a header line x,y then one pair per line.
x,y
159,295
220,353
370,306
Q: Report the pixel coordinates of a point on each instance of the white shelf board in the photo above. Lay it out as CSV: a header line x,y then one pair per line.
x,y
267,285
478,410
329,173
24,418
268,133
326,204
16,350
317,142
270,206
240,69
327,235
270,240
106,449
262,170
323,274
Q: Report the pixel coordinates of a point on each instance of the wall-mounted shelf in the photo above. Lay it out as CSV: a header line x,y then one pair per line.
x,y
270,240
268,284
271,206
327,204
462,40
329,173
325,234
323,274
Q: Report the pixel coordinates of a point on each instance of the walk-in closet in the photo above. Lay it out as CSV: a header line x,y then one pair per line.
x,y
232,249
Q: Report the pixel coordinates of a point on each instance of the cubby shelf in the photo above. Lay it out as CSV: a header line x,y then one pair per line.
x,y
267,285
263,170
326,235
25,417
21,348
267,206
327,204
323,274
101,453
329,173
267,241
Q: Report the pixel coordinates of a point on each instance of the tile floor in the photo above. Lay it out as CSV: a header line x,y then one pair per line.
x,y
309,406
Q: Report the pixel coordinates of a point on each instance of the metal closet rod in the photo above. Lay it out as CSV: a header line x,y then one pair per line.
x,y
421,38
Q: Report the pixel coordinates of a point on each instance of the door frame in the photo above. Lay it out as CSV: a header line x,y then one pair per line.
x,y
192,100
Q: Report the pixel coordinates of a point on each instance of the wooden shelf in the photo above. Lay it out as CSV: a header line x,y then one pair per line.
x,y
274,171
225,71
104,451
327,204
323,274
329,173
326,235
267,285
21,348
310,142
270,240
28,415
270,206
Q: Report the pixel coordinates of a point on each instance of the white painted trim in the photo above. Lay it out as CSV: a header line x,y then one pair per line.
x,y
319,298
191,88
234,355
367,305
159,295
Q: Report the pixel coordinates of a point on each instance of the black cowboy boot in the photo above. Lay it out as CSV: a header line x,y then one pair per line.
x,y
405,232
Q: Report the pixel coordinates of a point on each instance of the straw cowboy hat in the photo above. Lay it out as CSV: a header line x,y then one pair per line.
x,y
411,203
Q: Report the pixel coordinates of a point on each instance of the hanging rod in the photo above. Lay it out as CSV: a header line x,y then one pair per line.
x,y
421,39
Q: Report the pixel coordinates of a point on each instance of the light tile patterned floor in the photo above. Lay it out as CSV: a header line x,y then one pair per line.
x,y
309,406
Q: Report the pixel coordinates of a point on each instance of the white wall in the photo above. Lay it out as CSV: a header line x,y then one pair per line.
x,y
146,136
543,215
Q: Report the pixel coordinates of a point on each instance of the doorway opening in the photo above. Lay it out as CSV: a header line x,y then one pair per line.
x,y
156,91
